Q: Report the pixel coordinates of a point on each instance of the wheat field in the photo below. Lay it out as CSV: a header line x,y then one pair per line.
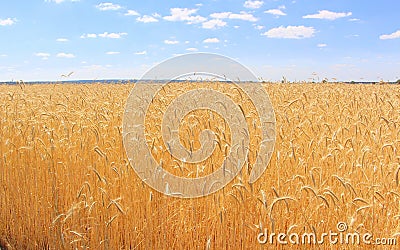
x,y
66,183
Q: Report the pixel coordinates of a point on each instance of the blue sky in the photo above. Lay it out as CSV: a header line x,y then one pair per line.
x,y
343,39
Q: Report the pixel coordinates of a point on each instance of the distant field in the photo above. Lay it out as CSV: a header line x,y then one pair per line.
x,y
65,180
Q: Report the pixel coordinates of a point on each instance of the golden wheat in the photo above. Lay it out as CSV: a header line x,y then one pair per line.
x,y
66,183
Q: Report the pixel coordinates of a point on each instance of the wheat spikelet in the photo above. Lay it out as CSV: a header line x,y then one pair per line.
x,y
275,201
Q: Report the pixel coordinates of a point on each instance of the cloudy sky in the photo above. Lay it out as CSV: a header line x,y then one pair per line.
x,y
299,39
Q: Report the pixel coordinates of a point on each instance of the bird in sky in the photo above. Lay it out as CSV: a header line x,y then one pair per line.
x,y
67,75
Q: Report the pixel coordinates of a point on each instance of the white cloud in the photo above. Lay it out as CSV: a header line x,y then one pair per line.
x,y
275,12
213,23
211,40
43,55
65,55
112,53
290,32
220,15
90,35
144,52
196,19
394,35
192,49
229,15
259,27
3,55
184,15
60,1
108,6
8,21
329,15
132,13
243,16
354,20
146,19
253,4
322,45
112,35
180,14
171,42
156,15
62,40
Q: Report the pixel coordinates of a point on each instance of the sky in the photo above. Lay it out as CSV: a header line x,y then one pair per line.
x,y
343,40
